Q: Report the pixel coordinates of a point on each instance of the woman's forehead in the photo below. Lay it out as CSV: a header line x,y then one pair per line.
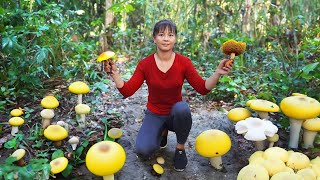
x,y
166,29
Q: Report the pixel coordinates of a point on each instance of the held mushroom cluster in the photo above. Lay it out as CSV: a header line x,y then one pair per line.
x,y
233,48
105,57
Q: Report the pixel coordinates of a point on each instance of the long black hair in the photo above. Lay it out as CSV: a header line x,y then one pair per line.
x,y
162,25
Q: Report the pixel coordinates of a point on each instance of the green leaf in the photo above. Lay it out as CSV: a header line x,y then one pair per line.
x,y
67,171
310,67
56,154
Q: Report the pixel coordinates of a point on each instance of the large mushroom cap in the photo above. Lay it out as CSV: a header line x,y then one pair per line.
x,y
16,121
79,87
232,46
286,175
298,161
253,171
212,143
58,165
277,153
82,109
105,56
105,158
16,112
115,133
55,133
263,105
238,114
312,124
49,102
300,107
19,153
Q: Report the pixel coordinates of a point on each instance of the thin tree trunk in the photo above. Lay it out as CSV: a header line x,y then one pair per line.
x,y
246,18
295,40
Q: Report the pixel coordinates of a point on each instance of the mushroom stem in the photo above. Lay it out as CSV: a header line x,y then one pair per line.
x,y
14,130
263,115
259,145
308,138
109,177
57,143
216,162
46,122
20,162
295,127
82,121
232,55
79,98
271,144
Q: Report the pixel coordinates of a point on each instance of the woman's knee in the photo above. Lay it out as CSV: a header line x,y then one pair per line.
x,y
145,150
181,108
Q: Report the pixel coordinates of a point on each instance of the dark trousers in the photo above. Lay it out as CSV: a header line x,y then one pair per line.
x,y
149,136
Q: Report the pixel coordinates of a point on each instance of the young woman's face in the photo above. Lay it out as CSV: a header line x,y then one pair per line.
x,y
165,40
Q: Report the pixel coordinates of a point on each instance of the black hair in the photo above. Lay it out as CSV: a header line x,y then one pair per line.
x,y
162,25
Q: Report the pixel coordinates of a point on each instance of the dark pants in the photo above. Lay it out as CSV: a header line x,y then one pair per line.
x,y
149,136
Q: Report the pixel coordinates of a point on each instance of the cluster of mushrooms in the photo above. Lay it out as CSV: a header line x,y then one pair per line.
x,y
276,163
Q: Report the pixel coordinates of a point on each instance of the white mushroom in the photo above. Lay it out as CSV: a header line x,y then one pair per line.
x,y
47,115
74,141
256,130
63,124
82,110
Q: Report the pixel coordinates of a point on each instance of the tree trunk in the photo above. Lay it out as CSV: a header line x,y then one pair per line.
x,y
107,21
246,18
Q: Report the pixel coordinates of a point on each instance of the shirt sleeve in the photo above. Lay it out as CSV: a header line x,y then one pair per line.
x,y
134,83
194,79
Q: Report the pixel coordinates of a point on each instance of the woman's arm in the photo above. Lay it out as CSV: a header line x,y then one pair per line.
x,y
212,81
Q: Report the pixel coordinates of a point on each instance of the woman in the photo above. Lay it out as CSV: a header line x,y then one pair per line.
x,y
164,73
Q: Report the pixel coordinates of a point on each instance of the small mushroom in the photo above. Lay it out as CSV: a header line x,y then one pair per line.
x,y
82,110
298,109
233,48
49,102
273,139
256,130
56,134
105,56
105,158
298,161
238,114
310,131
115,133
16,112
157,170
74,141
263,107
47,115
253,171
160,160
58,165
15,122
19,154
63,124
213,144
79,88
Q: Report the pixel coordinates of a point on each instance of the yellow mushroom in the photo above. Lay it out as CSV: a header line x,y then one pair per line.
x,y
79,88
19,154
157,170
82,110
16,112
55,133
238,114
58,165
115,133
49,102
15,122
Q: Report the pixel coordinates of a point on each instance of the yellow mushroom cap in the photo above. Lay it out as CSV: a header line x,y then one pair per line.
x,y
82,109
105,56
232,46
158,169
19,153
105,158
16,112
273,166
298,94
256,155
55,133
277,153
264,106
238,114
115,133
79,87
16,121
312,124
307,173
286,176
58,165
300,107
273,138
298,161
49,102
212,143
316,160
253,171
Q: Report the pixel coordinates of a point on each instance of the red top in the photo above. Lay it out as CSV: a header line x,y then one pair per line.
x,y
164,88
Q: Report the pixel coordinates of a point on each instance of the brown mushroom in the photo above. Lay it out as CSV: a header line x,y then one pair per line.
x,y
233,48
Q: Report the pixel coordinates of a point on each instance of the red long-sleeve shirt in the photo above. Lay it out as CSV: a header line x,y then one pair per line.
x,y
164,88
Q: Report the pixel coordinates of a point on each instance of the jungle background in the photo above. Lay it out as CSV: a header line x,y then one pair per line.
x,y
46,45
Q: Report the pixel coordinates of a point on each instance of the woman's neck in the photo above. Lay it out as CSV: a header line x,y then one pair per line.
x,y
164,56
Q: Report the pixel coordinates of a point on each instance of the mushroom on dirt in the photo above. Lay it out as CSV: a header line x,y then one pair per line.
x,y
310,131
273,139
58,165
82,110
256,130
19,154
56,134
263,107
160,160
79,88
105,158
47,115
253,171
238,114
16,112
15,122
233,48
105,56
49,102
298,109
157,170
213,144
115,133
74,141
